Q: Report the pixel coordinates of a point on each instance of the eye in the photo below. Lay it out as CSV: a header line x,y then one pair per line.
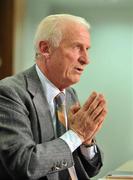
x,y
77,46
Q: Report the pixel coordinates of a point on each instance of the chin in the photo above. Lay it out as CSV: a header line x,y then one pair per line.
x,y
74,81
71,81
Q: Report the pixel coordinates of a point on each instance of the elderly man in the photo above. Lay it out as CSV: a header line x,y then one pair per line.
x,y
44,133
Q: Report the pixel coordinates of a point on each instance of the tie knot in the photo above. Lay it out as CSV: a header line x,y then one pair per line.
x,y
60,99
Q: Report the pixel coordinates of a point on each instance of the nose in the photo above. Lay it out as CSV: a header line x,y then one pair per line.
x,y
84,58
83,61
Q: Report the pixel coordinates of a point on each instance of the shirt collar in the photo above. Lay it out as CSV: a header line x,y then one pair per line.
x,y
49,88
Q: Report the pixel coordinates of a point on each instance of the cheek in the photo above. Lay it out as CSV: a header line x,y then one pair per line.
x,y
71,58
65,61
71,55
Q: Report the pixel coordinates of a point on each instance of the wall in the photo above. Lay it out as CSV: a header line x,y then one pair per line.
x,y
110,70
25,29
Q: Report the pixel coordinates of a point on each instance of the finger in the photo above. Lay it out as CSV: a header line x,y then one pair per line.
x,y
93,124
89,100
96,125
97,110
101,116
99,126
95,103
100,120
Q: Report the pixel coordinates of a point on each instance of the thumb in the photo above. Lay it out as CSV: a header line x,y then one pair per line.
x,y
74,108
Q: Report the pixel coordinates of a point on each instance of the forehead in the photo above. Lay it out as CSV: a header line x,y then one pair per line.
x,y
76,32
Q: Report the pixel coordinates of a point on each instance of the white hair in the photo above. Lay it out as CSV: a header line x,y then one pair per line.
x,y
50,28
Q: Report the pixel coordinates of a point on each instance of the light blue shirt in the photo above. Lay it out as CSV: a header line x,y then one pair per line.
x,y
70,137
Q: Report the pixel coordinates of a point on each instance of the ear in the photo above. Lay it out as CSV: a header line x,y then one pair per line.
x,y
44,48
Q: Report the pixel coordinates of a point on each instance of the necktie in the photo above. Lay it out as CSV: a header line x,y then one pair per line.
x,y
60,114
61,126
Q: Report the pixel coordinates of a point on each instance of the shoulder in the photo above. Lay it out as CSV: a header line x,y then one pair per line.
x,y
18,80
71,93
16,86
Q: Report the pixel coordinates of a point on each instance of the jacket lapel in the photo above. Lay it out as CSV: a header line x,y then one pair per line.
x,y
41,105
44,117
71,99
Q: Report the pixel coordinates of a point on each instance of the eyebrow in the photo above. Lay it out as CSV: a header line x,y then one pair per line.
x,y
79,43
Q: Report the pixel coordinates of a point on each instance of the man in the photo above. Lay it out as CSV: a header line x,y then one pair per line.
x,y
29,145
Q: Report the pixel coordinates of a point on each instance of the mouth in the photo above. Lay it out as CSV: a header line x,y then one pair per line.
x,y
79,70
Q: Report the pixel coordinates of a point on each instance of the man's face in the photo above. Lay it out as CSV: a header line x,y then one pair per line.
x,y
67,62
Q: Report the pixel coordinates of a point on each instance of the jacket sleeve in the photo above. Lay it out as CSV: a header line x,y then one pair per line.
x,y
87,168
20,155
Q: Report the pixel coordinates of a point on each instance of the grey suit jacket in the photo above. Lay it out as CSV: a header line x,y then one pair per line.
x,y
28,147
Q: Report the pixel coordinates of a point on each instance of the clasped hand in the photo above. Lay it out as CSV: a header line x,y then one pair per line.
x,y
88,119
